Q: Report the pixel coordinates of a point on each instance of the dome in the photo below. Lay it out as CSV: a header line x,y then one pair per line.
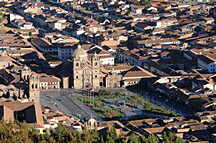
x,y
92,123
92,120
79,52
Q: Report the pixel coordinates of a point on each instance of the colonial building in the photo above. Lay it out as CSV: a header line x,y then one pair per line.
x,y
38,82
29,113
206,59
134,75
88,72
86,69
105,57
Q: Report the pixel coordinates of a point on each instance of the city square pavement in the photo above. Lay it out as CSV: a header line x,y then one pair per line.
x,y
65,100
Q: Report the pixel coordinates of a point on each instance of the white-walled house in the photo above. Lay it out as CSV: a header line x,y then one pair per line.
x,y
106,58
166,22
27,25
206,59
58,24
211,83
15,16
137,9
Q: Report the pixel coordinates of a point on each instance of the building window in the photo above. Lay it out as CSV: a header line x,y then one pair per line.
x,y
95,64
77,64
77,77
95,76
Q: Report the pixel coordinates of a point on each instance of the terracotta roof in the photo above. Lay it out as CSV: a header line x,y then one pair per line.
x,y
138,6
132,79
9,110
19,52
137,72
141,122
98,51
16,106
7,86
154,130
11,39
119,67
40,42
107,56
5,59
157,41
198,127
150,120
110,43
207,55
86,46
49,79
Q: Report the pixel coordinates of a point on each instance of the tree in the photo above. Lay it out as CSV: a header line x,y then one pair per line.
x,y
134,139
169,137
90,136
145,2
150,139
112,137
1,18
23,133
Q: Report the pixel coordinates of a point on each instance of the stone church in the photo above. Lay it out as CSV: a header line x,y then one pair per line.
x,y
86,69
88,72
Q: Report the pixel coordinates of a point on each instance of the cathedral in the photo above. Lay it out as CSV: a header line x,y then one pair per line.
x,y
86,70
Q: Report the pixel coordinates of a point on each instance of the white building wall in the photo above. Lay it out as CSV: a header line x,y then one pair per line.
x,y
107,61
163,80
15,16
210,86
58,26
27,27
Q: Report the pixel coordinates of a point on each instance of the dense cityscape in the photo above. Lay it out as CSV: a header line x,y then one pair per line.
x,y
107,71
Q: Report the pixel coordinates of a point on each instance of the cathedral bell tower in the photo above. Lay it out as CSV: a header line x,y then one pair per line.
x,y
96,71
34,88
79,59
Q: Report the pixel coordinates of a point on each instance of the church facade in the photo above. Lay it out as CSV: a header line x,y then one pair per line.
x,y
86,70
